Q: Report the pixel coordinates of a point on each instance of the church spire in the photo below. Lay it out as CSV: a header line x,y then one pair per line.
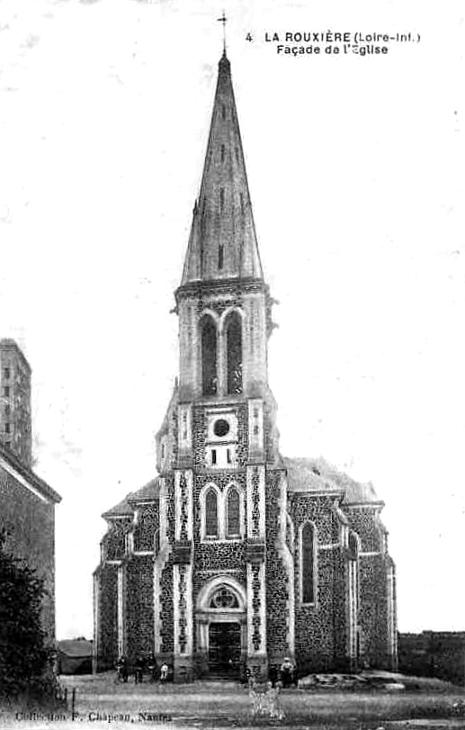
x,y
222,241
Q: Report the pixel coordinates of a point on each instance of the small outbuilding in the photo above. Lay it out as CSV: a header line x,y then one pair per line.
x,y
75,656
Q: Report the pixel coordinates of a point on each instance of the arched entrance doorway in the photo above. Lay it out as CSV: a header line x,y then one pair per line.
x,y
221,628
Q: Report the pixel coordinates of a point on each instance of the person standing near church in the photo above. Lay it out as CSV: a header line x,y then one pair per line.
x,y
287,672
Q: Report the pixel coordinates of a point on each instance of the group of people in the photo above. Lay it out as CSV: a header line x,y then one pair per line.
x,y
141,667
285,674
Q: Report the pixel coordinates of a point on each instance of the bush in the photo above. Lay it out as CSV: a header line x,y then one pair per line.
x,y
25,661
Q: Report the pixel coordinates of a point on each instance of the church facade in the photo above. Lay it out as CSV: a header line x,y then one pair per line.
x,y
235,557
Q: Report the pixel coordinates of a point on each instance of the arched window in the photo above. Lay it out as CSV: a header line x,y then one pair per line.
x,y
353,547
354,636
234,353
233,516
209,377
211,514
308,564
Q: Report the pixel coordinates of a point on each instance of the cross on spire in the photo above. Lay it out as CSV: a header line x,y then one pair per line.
x,y
223,20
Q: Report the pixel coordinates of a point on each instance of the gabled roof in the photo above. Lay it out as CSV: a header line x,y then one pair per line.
x,y
122,509
318,475
148,493
305,476
21,472
222,241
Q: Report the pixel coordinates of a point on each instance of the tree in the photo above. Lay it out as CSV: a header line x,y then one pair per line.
x,y
24,658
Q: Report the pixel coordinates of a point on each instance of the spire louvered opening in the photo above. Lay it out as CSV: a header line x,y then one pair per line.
x,y
209,372
234,353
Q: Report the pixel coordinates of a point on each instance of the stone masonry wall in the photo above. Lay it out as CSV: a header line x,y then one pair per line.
x,y
108,607
213,558
31,524
167,608
114,541
340,608
363,521
147,524
315,623
277,583
139,606
373,610
200,435
373,605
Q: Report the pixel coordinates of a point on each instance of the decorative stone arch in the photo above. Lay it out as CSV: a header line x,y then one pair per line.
x,y
209,611
207,592
308,562
208,488
227,312
209,312
240,533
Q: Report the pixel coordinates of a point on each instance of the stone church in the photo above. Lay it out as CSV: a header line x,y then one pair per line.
x,y
235,556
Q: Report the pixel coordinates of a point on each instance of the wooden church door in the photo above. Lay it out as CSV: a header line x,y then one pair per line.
x,y
224,651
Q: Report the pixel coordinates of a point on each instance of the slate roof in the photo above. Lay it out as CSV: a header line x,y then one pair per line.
x,y
126,507
147,493
318,475
122,509
304,475
17,465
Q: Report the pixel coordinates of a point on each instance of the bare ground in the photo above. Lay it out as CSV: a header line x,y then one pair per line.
x,y
100,702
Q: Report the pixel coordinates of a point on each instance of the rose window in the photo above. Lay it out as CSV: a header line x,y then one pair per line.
x,y
223,598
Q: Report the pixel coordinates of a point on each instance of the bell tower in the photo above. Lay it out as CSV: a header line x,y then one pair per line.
x,y
215,446
223,302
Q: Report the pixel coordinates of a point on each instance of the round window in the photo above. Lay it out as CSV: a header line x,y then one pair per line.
x,y
221,427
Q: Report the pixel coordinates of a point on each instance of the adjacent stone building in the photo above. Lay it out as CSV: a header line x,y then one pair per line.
x,y
234,556
27,503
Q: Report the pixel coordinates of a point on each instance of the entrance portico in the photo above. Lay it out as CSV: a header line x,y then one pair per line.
x,y
221,625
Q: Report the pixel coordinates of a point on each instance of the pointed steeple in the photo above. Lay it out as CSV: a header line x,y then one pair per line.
x,y
222,241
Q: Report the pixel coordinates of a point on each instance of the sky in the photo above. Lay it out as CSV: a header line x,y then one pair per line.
x,y
355,167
